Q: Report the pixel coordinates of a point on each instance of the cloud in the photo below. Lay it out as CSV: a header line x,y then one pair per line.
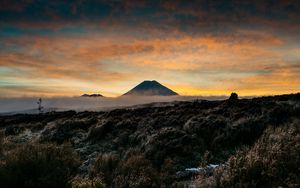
x,y
192,17
104,60
109,46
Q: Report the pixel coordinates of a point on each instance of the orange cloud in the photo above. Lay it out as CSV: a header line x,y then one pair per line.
x,y
247,62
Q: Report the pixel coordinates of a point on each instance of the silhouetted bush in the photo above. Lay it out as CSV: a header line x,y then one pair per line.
x,y
233,97
38,166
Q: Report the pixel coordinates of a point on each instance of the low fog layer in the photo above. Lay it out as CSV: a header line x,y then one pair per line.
x,y
29,105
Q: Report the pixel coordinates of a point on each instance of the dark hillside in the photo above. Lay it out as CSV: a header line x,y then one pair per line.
x,y
149,145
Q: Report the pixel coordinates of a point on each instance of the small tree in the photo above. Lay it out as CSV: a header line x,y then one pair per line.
x,y
40,107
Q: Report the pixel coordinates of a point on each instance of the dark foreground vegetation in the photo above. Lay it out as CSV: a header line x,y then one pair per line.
x,y
255,142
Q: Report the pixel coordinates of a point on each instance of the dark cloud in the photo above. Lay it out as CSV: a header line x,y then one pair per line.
x,y
184,15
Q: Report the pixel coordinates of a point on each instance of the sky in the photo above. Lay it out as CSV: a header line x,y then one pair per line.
x,y
195,47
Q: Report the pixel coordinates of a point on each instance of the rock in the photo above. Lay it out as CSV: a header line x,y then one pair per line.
x,y
190,172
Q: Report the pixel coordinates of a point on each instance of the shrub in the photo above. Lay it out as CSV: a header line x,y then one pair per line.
x,y
63,131
136,171
13,130
99,130
167,172
78,182
233,97
1,143
273,161
105,167
38,166
280,113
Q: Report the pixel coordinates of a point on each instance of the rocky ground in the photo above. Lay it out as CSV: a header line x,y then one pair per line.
x,y
179,140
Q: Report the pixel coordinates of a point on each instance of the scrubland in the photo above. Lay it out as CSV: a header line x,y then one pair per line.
x,y
253,143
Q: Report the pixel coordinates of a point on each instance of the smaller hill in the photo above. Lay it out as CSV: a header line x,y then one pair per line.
x,y
92,95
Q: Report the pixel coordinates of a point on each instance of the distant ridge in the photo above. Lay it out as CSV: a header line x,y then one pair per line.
x,y
92,95
150,88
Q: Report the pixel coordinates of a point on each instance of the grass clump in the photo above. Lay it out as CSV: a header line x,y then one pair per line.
x,y
132,170
78,182
105,167
136,171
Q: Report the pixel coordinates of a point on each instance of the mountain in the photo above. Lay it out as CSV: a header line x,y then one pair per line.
x,y
92,95
150,88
